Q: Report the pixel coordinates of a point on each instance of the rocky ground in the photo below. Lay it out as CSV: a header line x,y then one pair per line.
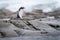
x,y
29,28
16,28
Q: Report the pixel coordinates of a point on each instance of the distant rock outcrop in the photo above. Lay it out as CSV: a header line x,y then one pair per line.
x,y
39,13
55,13
5,13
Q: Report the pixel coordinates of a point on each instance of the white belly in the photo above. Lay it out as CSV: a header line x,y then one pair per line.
x,y
21,14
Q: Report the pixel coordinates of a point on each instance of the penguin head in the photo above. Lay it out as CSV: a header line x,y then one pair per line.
x,y
21,7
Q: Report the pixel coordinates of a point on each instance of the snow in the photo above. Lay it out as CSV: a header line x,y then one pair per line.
x,y
15,4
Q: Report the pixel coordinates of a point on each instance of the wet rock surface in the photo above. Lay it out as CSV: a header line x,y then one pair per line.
x,y
27,30
17,28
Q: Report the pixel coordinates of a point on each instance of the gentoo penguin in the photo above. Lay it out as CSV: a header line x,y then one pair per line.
x,y
20,12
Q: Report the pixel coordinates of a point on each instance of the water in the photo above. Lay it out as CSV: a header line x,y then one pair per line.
x,y
33,38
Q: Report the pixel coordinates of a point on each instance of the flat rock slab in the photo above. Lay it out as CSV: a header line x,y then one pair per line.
x,y
50,21
21,24
7,30
42,26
